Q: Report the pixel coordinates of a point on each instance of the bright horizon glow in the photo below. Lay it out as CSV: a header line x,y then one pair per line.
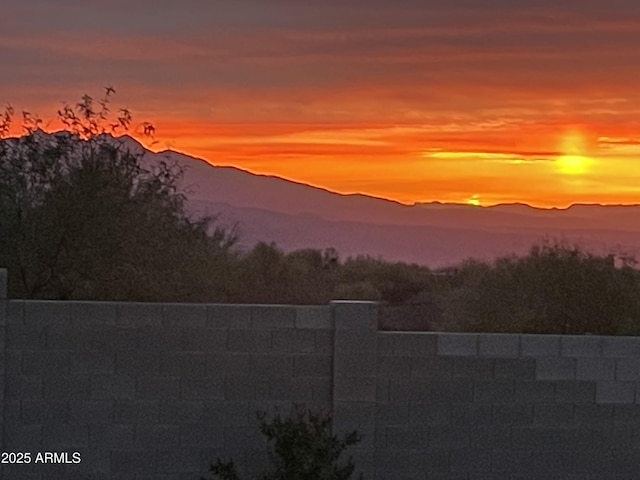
x,y
409,101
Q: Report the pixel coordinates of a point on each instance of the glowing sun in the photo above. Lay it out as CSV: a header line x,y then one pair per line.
x,y
573,160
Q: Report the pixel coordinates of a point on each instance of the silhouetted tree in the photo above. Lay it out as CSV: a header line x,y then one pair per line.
x,y
82,217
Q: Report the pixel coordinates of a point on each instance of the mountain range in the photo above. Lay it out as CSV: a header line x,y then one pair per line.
x,y
296,215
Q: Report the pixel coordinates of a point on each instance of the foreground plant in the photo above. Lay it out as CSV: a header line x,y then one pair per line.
x,y
300,447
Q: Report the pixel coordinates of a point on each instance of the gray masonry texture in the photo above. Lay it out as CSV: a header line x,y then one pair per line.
x,y
157,391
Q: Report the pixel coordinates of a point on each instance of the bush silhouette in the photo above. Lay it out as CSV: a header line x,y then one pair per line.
x,y
300,447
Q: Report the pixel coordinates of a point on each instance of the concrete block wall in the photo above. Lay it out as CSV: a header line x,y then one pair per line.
x,y
156,391
490,406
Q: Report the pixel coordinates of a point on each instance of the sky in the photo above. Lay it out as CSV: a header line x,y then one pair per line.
x,y
469,101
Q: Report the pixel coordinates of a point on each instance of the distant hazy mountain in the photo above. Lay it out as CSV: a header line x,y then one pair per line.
x,y
296,215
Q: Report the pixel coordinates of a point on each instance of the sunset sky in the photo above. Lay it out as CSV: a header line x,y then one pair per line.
x,y
478,101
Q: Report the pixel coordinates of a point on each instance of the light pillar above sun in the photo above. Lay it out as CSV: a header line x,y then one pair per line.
x,y
574,158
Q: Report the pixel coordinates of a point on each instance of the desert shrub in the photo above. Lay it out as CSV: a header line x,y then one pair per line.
x,y
300,447
554,289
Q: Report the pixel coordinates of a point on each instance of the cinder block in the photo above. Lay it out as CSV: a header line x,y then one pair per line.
x,y
24,337
515,369
448,437
473,367
314,317
93,313
534,392
91,412
244,389
593,415
436,368
394,367
23,438
186,363
15,312
45,363
540,345
456,391
182,463
430,414
621,346
460,344
158,388
130,462
231,365
67,387
415,344
354,389
204,340
499,345
304,340
470,460
392,414
271,365
312,366
22,387
615,392
139,362
272,317
628,369
575,392
250,341
158,436
4,284
191,315
581,346
595,368
46,312
227,413
137,314
201,435
496,436
386,342
465,414
202,388
65,436
406,437
508,460
409,390
363,364
626,416
92,362
552,414
229,316
69,338
611,438
109,437
181,411
163,338
542,437
113,387
324,341
137,411
297,390
513,414
555,369
355,315
404,464
349,416
283,341
34,412
497,391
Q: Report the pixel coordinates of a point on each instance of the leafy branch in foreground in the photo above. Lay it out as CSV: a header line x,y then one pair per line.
x,y
300,447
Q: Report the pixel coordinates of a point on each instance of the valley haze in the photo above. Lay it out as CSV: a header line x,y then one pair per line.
x,y
296,216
